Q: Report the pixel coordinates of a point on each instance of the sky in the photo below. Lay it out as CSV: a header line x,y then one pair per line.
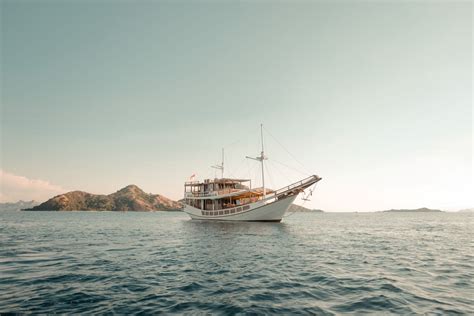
x,y
374,97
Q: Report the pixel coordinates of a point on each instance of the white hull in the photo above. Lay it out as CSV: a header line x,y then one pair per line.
x,y
228,199
259,211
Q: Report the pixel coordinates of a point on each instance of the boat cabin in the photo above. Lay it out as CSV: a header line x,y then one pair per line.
x,y
220,194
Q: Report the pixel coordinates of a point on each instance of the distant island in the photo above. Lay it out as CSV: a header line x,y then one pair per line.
x,y
130,198
299,208
17,206
418,210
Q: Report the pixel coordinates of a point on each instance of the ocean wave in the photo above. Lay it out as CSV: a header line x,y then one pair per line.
x,y
324,265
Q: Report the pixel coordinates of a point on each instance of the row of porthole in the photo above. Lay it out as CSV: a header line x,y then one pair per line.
x,y
225,212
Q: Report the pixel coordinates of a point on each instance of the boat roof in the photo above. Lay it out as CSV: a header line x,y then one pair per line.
x,y
217,180
229,180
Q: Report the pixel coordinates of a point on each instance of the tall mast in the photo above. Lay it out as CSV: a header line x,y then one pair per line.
x,y
261,158
221,166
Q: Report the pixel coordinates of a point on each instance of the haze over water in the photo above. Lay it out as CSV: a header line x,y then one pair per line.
x,y
97,262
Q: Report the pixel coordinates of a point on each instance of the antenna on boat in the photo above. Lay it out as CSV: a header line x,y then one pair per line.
x,y
221,166
261,158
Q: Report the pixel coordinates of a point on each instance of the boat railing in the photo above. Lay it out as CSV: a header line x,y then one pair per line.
x,y
308,181
211,193
305,182
199,194
191,182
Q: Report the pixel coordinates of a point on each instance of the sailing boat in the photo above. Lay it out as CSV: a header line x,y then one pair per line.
x,y
226,199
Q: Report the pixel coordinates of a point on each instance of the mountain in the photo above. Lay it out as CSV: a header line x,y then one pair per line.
x,y
418,210
467,210
17,206
130,198
299,208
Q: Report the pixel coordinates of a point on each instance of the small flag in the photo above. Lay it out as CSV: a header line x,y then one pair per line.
x,y
191,178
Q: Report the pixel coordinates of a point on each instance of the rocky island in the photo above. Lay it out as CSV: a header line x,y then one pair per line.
x,y
418,210
130,198
299,208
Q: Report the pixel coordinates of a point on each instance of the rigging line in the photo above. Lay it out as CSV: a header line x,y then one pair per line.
x,y
241,139
302,205
270,177
274,138
281,173
285,165
249,173
229,146
248,169
208,174
292,213
312,188
238,168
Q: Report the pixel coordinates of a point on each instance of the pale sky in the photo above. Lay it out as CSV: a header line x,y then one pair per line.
x,y
376,98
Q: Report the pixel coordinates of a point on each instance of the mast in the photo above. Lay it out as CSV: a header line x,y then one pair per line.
x,y
221,166
261,158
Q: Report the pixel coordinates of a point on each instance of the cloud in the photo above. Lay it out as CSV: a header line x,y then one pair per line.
x,y
14,187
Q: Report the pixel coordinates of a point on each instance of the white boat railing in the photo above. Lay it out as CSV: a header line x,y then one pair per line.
x,y
300,184
213,193
303,183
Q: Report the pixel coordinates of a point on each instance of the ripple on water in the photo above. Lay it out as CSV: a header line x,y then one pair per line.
x,y
325,264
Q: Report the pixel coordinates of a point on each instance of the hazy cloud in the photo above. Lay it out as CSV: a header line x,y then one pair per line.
x,y
14,187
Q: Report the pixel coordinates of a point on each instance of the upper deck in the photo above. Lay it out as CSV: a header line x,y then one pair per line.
x,y
215,187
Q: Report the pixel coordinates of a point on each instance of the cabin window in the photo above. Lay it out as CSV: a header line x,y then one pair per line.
x,y
221,212
232,211
226,212
239,209
246,207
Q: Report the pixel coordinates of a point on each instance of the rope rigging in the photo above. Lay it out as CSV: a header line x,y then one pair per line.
x,y
267,167
304,200
289,153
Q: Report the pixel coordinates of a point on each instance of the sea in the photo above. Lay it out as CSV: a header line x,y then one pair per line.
x,y
163,262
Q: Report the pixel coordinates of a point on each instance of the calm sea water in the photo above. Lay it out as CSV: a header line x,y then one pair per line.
x,y
103,262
